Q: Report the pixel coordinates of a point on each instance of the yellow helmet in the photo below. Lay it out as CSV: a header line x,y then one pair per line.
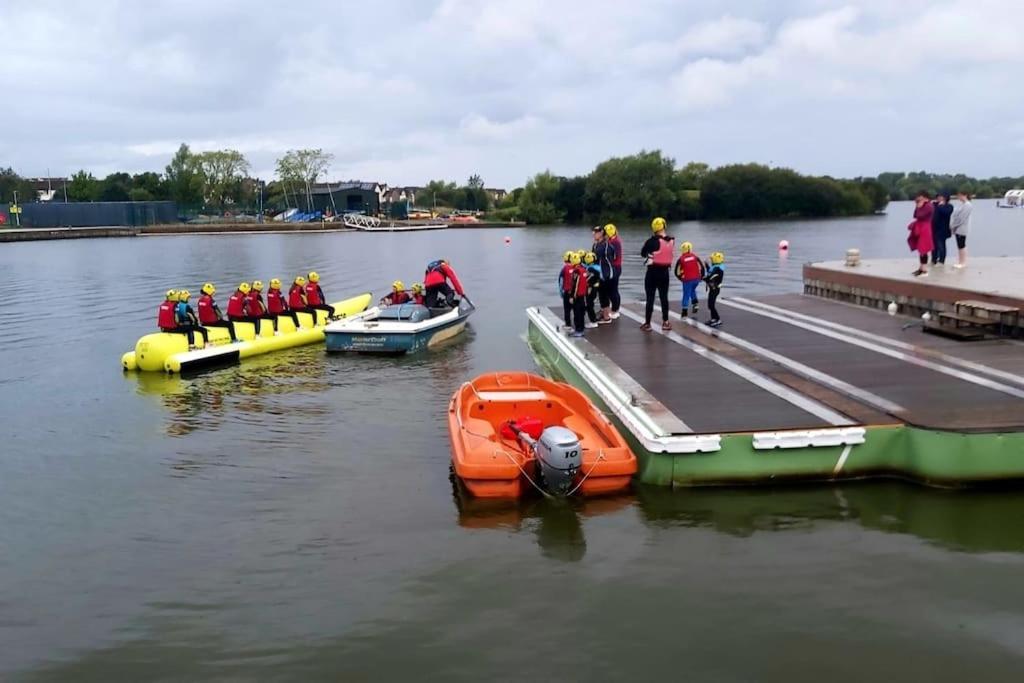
x,y
686,247
611,230
275,283
417,288
172,295
718,258
209,289
589,257
398,285
658,224
566,255
257,285
244,288
574,258
184,295
314,276
299,280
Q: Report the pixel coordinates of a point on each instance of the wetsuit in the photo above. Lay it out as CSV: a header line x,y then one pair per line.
x,y
593,289
315,299
604,253
659,250
578,297
614,245
435,281
690,270
713,278
210,316
940,231
278,306
564,290
188,324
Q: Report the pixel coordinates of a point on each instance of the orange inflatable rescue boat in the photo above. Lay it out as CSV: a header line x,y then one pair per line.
x,y
513,431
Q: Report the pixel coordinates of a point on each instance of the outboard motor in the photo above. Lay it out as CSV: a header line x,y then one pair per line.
x,y
559,458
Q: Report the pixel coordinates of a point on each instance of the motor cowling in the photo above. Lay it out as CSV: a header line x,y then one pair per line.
x,y
559,459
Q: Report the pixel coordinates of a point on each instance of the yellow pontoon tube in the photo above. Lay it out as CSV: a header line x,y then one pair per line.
x,y
168,351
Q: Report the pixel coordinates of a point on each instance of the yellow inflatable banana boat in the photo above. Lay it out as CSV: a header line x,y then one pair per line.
x,y
168,352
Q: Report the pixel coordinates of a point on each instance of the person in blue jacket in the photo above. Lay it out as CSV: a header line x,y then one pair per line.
x,y
593,286
714,273
605,254
187,320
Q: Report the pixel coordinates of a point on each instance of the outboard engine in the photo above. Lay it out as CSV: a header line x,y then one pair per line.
x,y
559,458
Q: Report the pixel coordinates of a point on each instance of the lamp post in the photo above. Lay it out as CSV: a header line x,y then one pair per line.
x,y
17,210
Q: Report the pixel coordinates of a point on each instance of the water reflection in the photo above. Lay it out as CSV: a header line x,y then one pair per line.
x,y
968,521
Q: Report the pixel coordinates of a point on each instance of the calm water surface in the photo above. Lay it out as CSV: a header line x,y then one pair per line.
x,y
292,518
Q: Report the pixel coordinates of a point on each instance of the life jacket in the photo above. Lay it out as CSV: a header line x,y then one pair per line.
x,y
715,269
275,302
566,278
255,303
295,298
689,264
435,274
616,244
397,298
418,299
236,305
207,314
181,312
593,276
314,295
165,318
666,252
579,280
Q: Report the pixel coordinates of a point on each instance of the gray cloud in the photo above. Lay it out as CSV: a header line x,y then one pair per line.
x,y
406,91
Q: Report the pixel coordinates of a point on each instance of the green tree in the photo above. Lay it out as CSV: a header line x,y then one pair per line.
x,y
437,193
83,187
570,199
115,187
299,169
222,171
634,187
11,182
537,202
691,176
184,178
149,184
475,182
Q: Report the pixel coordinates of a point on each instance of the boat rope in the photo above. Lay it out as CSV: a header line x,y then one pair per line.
x,y
600,457
528,477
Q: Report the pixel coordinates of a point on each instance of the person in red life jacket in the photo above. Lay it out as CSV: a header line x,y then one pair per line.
x,y
398,295
238,307
436,280
188,323
315,298
210,314
658,252
255,306
615,254
577,294
277,304
689,271
166,316
565,287
297,298
417,294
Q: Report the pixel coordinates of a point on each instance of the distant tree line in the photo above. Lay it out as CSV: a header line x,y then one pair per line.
x,y
438,194
902,186
649,184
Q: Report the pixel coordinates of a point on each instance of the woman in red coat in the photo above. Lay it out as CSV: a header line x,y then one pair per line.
x,y
920,239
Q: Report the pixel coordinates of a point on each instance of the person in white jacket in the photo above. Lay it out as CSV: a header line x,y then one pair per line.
x,y
960,225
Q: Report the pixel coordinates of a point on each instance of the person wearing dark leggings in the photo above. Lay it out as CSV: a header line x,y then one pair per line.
x,y
714,273
615,255
658,252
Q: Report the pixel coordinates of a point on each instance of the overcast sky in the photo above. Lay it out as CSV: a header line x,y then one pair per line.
x,y
405,91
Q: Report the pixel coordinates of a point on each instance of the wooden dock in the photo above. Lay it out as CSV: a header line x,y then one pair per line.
x,y
802,387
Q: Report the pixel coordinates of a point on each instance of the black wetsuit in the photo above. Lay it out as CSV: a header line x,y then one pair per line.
x,y
656,279
714,277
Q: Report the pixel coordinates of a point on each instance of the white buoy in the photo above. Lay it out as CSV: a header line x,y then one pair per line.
x,y
784,245
508,240
926,316
892,308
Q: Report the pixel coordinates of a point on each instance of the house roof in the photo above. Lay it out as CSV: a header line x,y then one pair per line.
x,y
326,188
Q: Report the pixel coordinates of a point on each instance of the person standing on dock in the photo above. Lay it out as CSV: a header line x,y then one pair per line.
x,y
210,314
960,223
577,294
564,287
658,253
713,276
593,286
615,243
436,280
690,271
941,212
604,255
920,239
277,305
315,298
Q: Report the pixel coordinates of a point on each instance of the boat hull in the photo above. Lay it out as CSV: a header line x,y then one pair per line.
x,y
367,336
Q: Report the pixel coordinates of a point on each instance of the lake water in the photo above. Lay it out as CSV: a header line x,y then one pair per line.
x,y
292,518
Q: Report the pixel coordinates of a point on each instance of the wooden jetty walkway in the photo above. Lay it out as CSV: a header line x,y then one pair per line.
x,y
797,387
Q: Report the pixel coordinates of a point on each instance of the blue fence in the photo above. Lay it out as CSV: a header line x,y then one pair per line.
x,y
91,214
